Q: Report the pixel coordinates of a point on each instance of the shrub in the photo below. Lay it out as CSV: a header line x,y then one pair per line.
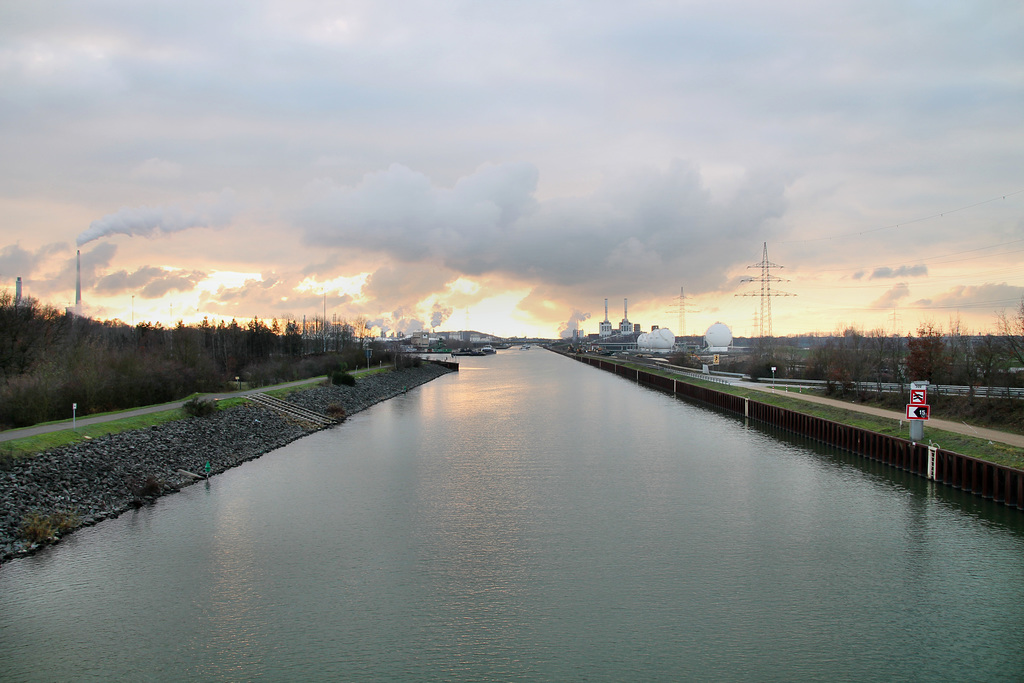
x,y
37,527
6,457
337,411
197,407
342,377
150,488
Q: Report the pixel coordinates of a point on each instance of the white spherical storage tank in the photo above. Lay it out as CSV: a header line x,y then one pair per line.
x,y
718,336
660,340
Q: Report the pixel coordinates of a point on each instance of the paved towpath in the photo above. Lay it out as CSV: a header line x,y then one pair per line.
x,y
945,425
12,434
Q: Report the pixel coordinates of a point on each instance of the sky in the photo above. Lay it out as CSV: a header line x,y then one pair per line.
x,y
508,166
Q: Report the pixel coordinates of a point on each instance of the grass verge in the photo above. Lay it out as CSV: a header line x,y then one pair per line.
x,y
998,453
31,445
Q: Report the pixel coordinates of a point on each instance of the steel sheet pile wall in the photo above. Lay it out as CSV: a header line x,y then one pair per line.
x,y
1000,483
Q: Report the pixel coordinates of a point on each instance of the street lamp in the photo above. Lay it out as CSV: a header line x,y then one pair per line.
x,y
773,379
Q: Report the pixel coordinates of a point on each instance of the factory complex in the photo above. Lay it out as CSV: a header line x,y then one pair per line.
x,y
629,336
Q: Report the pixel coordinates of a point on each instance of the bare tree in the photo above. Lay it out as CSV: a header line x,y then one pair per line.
x,y
1011,327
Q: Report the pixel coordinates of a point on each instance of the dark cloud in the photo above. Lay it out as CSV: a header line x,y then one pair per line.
x,y
637,233
273,295
149,282
991,297
406,283
18,262
112,103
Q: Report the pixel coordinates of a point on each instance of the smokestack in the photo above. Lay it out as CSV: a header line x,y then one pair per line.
x,y
625,309
78,282
606,309
17,291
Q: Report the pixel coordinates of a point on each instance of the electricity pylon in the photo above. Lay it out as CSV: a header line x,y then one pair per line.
x,y
766,279
681,308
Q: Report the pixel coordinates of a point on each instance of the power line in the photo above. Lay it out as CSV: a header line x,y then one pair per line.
x,y
934,260
893,226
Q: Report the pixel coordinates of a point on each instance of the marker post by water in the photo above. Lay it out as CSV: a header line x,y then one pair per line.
x,y
918,410
74,417
207,469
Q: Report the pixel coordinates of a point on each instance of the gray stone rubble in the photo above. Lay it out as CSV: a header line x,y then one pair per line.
x,y
104,477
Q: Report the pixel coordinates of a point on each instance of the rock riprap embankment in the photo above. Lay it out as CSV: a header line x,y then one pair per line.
x,y
93,480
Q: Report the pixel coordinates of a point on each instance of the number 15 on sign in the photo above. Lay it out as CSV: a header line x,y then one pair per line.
x,y
915,412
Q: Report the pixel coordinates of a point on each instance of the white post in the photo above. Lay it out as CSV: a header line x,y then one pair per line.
x,y
74,419
773,379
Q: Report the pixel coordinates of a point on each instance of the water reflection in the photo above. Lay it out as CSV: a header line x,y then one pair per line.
x,y
532,518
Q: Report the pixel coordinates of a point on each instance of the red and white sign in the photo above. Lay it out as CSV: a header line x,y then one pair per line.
x,y
916,412
918,397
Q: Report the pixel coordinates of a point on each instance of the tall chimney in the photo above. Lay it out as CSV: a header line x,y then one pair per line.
x,y
606,310
17,291
78,282
625,309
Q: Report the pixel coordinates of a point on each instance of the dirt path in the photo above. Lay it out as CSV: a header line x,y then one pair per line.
x,y
11,434
1016,440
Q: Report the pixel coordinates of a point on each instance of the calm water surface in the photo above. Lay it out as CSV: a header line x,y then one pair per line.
x,y
531,518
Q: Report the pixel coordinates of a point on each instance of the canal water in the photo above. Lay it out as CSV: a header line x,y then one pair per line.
x,y
531,518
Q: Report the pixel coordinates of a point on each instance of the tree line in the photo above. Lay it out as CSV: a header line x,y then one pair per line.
x,y
51,359
848,357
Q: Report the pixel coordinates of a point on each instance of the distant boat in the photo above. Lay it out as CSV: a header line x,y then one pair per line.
x,y
526,347
487,349
467,352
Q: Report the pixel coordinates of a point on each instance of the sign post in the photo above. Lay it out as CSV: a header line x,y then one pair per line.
x,y
918,410
74,419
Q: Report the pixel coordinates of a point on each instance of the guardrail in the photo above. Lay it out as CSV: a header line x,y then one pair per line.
x,y
895,387
999,483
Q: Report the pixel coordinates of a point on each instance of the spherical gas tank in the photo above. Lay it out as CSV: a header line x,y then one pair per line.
x,y
718,336
660,339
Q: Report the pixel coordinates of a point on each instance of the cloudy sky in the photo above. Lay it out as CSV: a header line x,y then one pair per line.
x,y
506,166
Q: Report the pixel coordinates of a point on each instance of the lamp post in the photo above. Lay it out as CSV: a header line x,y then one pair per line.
x,y
773,379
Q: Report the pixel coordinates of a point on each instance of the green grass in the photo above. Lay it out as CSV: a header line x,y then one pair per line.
x,y
998,453
31,445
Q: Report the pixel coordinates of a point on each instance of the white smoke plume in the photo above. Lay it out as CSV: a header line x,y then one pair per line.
x,y
566,329
148,220
439,315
